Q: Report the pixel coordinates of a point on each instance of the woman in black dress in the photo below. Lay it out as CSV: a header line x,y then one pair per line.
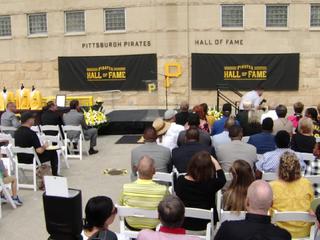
x,y
197,189
303,140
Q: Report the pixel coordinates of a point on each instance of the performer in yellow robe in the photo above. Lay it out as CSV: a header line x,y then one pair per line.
x,y
35,99
5,98
23,98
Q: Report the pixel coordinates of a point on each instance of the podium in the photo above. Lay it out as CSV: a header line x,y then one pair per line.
x,y
64,216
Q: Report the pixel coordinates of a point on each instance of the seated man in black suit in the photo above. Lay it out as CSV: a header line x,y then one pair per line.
x,y
183,154
257,224
51,117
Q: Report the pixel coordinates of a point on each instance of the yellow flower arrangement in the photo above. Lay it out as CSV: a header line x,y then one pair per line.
x,y
213,112
94,118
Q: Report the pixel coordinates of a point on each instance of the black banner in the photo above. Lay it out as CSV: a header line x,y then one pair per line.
x,y
245,71
107,72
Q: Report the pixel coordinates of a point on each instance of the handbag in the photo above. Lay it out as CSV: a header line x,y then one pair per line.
x,y
43,170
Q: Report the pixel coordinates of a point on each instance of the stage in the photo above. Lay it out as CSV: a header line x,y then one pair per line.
x,y
123,122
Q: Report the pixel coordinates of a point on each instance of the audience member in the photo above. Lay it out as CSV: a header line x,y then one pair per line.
x,y
254,97
143,193
271,113
292,193
6,179
298,110
174,130
9,119
223,138
198,188
313,168
270,160
194,121
257,224
203,120
264,141
282,123
209,118
234,198
50,117
161,155
243,115
218,125
182,155
317,214
100,213
161,128
183,115
303,140
76,118
312,113
254,125
171,214
236,149
25,137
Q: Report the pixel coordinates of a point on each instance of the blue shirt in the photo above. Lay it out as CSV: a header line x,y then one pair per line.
x,y
264,142
270,160
218,126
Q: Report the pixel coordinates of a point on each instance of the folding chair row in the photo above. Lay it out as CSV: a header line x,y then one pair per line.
x,y
124,212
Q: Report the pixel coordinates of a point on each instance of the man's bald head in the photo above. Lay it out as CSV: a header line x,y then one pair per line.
x,y
184,106
146,168
259,197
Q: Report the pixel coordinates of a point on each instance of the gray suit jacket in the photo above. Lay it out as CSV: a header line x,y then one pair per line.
x,y
161,156
236,150
74,118
9,119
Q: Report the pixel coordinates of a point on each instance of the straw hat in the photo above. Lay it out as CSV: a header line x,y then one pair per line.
x,y
99,100
161,126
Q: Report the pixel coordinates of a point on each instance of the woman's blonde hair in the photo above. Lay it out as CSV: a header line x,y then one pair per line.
x,y
289,167
235,196
305,126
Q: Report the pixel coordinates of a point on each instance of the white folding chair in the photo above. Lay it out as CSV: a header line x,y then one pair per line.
x,y
315,179
231,216
202,214
60,152
219,198
124,212
228,176
51,128
306,156
6,193
295,216
318,139
36,129
69,142
245,139
165,178
23,166
269,176
8,130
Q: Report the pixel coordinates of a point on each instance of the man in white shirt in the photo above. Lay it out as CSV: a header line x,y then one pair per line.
x,y
271,113
223,137
253,96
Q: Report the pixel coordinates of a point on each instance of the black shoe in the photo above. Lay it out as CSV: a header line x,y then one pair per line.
x,y
92,151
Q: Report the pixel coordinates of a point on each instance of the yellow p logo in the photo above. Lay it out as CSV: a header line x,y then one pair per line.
x,y
152,87
171,70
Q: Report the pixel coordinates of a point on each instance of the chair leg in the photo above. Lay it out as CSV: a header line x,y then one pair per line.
x,y
80,147
8,196
34,177
17,175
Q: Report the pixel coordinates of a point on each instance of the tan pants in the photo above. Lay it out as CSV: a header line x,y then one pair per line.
x,y
8,179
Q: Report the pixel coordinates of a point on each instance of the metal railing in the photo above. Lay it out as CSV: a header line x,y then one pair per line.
x,y
222,96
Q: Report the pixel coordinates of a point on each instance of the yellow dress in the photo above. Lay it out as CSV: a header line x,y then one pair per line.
x,y
2,103
294,196
10,97
211,120
23,99
35,100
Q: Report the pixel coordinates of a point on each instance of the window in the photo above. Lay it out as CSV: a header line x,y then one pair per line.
x,y
37,23
276,16
115,19
315,16
75,21
5,26
231,16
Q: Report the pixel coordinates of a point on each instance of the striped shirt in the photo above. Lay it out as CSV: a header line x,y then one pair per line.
x,y
145,194
270,160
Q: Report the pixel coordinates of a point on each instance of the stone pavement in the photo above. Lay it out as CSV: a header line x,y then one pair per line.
x,y
27,222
